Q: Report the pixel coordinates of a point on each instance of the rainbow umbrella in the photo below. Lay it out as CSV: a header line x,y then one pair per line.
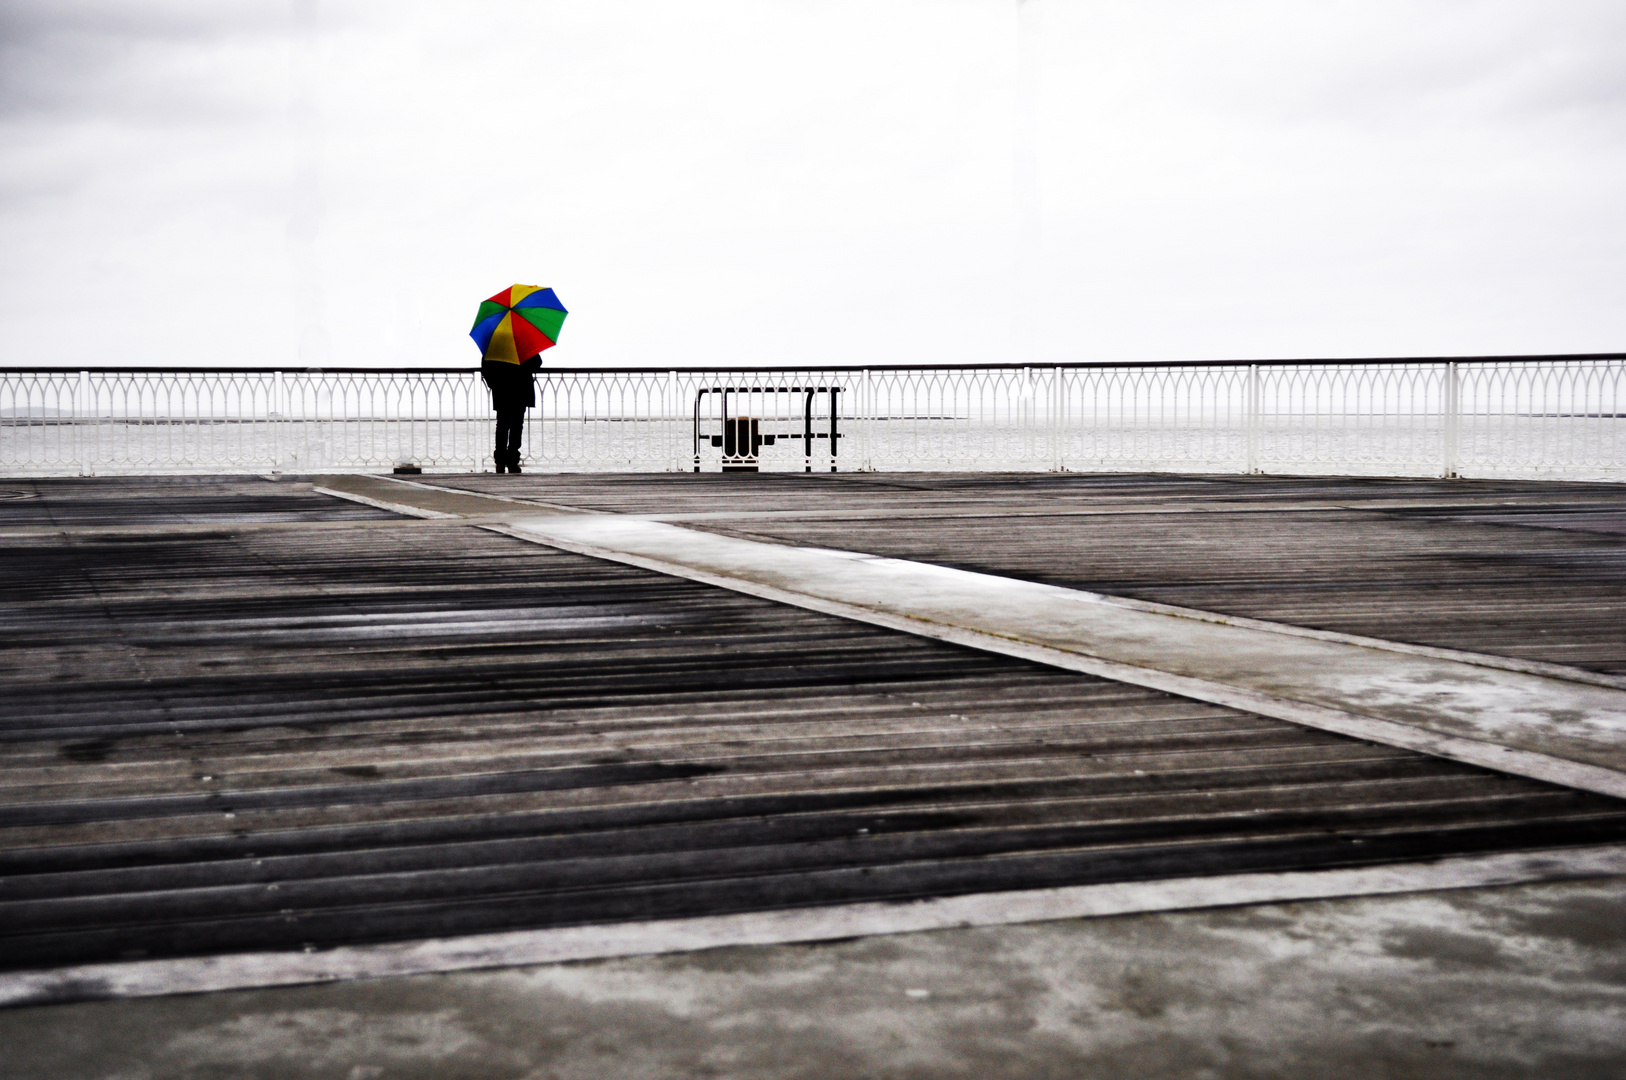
x,y
518,323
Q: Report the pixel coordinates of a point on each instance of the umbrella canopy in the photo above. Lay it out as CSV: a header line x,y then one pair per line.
x,y
518,323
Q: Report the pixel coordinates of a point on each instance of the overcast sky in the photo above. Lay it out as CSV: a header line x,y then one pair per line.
x,y
340,182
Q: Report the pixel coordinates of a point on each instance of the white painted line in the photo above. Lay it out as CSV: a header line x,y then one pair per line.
x,y
398,508
466,493
152,978
1520,721
1519,762
1501,663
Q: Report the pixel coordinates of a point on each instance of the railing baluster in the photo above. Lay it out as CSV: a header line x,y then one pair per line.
x,y
1251,420
1451,409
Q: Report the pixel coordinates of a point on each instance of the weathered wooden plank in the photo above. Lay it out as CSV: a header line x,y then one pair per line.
x,y
1400,801
786,792
463,914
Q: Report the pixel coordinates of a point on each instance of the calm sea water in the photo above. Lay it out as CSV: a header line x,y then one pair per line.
x,y
1574,448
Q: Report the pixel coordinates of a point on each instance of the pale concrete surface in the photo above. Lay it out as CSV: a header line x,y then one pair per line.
x,y
824,922
1573,721
1517,981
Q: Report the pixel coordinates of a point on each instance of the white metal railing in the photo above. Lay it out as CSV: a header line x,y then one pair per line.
x,y
1561,417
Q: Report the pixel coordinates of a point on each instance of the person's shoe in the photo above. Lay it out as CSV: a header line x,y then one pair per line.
x,y
513,466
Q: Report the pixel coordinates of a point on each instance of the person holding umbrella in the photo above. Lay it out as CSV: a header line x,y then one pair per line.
x,y
513,391
512,329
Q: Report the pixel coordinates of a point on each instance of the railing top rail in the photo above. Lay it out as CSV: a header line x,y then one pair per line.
x,y
723,369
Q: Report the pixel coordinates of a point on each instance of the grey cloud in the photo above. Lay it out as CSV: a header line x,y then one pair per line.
x,y
153,63
22,20
97,97
1490,61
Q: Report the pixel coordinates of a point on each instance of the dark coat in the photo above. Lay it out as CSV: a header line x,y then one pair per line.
x,y
512,386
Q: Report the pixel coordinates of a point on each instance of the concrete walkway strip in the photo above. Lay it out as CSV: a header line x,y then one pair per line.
x,y
432,503
501,505
1546,728
1524,722
154,978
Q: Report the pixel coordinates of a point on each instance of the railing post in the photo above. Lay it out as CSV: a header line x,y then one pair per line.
x,y
1027,418
669,417
81,416
1452,407
1058,420
868,423
835,415
276,418
1251,420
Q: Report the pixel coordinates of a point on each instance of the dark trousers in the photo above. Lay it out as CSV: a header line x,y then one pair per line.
x,y
510,429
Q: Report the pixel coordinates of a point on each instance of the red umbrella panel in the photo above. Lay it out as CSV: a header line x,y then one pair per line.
x,y
518,323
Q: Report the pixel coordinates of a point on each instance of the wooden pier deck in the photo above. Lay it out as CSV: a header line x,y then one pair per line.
x,y
244,716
